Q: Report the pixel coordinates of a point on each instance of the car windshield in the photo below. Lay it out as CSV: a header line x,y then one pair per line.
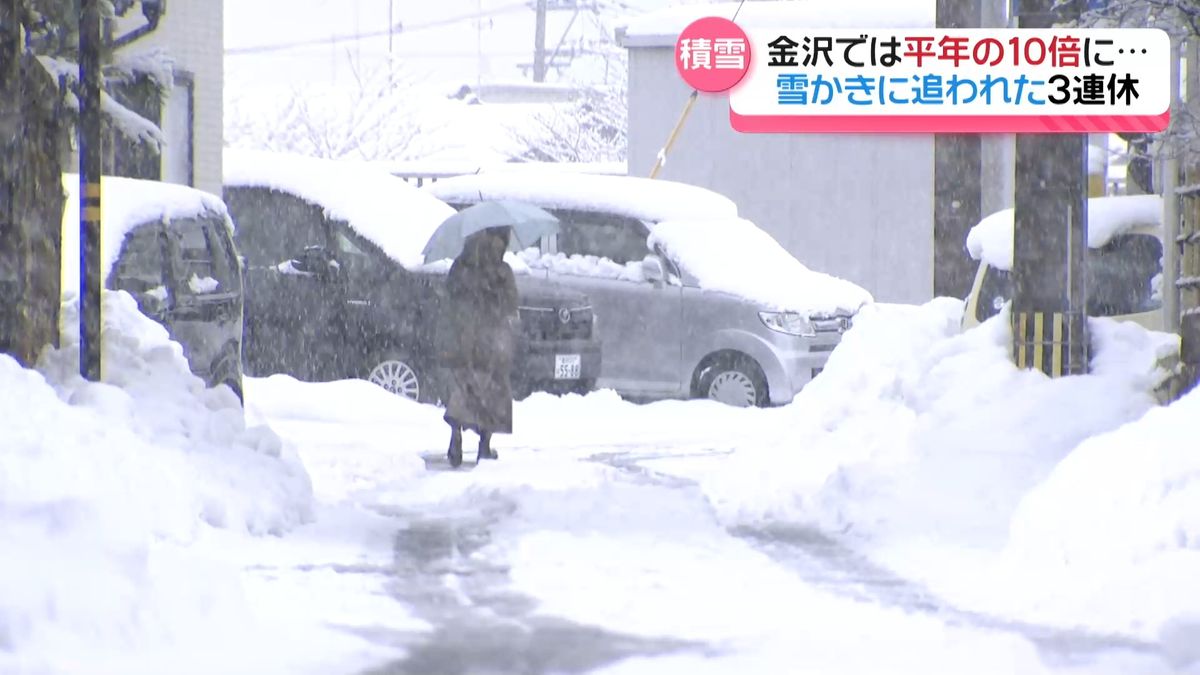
x,y
1123,277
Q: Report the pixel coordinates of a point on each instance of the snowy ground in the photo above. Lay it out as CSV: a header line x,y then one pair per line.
x,y
922,507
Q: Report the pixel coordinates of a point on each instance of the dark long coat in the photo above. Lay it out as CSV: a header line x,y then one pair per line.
x,y
478,336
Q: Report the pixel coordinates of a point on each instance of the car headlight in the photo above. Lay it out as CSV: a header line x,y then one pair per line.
x,y
790,323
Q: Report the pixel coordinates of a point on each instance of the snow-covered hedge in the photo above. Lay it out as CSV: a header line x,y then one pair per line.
x,y
99,482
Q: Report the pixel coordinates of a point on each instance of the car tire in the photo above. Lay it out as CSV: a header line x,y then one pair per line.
x,y
733,379
400,374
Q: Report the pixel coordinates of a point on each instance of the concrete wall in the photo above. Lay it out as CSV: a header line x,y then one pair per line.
x,y
193,33
855,206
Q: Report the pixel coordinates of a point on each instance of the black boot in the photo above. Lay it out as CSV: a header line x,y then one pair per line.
x,y
485,448
455,452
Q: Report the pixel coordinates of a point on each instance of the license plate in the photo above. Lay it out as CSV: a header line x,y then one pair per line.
x,y
567,366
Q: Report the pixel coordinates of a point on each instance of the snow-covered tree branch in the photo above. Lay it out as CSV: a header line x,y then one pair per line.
x,y
376,117
591,129
1180,19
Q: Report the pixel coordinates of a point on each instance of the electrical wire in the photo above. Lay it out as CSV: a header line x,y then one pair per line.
x,y
398,29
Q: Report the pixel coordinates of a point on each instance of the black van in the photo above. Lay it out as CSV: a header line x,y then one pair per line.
x,y
323,302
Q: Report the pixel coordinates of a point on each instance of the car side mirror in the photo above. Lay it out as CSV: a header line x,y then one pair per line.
x,y
317,261
652,269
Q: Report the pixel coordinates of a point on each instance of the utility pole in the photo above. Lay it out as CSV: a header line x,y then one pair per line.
x,y
1189,237
957,180
90,154
539,44
1170,185
1049,309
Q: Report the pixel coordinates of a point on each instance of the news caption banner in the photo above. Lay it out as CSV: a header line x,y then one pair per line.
x,y
1060,80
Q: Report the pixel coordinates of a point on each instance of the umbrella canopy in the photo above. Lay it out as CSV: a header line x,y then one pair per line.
x,y
529,223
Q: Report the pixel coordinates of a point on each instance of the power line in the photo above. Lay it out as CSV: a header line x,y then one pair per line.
x,y
398,28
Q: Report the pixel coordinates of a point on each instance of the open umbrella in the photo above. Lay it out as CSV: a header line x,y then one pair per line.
x,y
529,223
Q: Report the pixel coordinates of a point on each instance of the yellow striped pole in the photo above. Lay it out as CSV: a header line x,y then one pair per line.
x,y
89,190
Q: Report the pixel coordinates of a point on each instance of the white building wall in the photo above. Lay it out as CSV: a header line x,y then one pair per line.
x,y
856,206
192,32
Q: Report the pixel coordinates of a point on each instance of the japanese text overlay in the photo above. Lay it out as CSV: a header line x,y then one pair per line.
x,y
1064,80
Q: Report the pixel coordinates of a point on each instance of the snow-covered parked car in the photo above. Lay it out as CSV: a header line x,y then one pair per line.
x,y
1124,261
337,288
693,301
170,247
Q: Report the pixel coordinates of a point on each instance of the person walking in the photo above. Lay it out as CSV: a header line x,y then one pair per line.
x,y
479,342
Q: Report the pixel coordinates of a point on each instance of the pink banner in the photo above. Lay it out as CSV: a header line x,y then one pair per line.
x,y
946,124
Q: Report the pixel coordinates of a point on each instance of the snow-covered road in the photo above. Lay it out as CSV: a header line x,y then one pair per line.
x,y
588,548
922,507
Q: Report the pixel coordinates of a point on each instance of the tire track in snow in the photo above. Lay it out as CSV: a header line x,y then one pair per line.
x,y
481,625
822,560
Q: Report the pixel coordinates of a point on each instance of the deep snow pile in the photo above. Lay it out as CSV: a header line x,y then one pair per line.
x,y
911,415
103,487
924,444
1114,531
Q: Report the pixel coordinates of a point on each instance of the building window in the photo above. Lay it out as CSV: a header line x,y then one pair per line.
x,y
174,114
178,126
132,158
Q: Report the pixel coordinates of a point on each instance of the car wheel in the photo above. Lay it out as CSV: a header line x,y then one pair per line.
x,y
734,380
399,375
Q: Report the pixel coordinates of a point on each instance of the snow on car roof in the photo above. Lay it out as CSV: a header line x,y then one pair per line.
x,y
125,204
735,256
664,26
634,197
393,215
992,239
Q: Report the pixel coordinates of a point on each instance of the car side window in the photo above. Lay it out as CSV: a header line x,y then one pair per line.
x,y
996,289
199,267
272,227
1125,276
224,258
139,267
359,257
617,238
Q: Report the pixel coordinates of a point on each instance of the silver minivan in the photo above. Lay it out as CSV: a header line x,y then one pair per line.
x,y
690,300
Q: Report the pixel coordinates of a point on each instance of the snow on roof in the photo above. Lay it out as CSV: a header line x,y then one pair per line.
x,y
662,28
125,204
735,256
992,239
700,229
393,215
635,197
